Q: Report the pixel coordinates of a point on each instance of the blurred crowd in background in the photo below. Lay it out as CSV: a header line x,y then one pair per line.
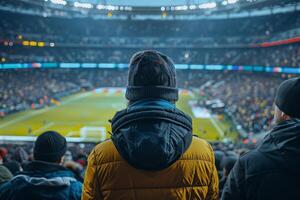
x,y
247,97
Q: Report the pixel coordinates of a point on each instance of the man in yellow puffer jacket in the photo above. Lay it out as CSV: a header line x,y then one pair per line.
x,y
152,153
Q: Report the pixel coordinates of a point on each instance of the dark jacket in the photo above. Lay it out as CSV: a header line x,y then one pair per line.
x,y
152,155
42,181
272,171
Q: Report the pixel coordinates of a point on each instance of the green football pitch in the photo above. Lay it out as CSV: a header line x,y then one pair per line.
x,y
87,114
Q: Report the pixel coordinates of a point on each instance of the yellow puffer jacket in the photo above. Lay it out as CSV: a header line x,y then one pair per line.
x,y
193,176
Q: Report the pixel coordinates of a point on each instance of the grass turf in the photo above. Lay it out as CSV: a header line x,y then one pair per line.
x,y
91,109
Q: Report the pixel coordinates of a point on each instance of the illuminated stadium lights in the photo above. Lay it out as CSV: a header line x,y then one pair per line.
x,y
226,2
83,5
207,5
25,43
232,1
41,44
113,8
192,7
109,7
51,44
60,2
100,7
181,7
128,8
33,43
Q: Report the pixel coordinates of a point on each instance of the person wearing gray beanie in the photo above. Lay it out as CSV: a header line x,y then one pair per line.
x,y
152,152
271,171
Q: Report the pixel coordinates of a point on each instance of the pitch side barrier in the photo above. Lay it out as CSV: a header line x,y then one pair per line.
x,y
247,68
24,139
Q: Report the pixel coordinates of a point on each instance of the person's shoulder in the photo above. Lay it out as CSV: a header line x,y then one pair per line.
x,y
6,189
76,189
255,163
199,149
251,156
105,152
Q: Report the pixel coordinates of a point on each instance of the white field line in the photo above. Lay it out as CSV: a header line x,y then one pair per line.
x,y
22,118
71,133
220,131
43,128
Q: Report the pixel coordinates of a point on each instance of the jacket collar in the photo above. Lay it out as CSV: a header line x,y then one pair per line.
x,y
46,168
282,144
160,103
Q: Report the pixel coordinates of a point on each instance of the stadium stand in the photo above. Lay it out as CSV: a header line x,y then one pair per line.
x,y
231,58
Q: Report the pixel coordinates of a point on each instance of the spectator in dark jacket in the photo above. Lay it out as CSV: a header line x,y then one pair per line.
x,y
44,178
229,162
271,171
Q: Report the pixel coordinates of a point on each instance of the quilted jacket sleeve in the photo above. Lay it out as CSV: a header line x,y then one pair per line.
x,y
90,184
213,189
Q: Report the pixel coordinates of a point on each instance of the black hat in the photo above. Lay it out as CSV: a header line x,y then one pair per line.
x,y
288,97
50,147
151,75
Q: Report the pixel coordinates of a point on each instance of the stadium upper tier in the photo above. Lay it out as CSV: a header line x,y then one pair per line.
x,y
246,41
142,8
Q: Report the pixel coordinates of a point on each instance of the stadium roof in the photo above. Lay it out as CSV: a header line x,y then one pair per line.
x,y
162,9
149,3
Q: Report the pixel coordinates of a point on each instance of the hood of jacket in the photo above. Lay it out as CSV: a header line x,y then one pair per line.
x,y
282,144
151,134
40,173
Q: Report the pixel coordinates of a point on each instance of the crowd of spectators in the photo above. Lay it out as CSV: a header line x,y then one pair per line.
x,y
283,56
15,157
91,29
247,97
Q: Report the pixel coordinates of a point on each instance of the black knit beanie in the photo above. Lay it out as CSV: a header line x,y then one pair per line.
x,y
151,75
288,97
49,147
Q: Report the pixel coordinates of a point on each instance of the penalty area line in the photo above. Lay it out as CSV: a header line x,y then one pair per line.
x,y
220,131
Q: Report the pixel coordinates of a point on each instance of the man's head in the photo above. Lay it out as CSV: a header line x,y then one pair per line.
x,y
287,101
50,147
151,75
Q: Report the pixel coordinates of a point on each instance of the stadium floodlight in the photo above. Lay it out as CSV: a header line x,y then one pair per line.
x,y
192,7
60,2
128,8
209,5
232,1
83,5
224,3
111,7
181,7
100,7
